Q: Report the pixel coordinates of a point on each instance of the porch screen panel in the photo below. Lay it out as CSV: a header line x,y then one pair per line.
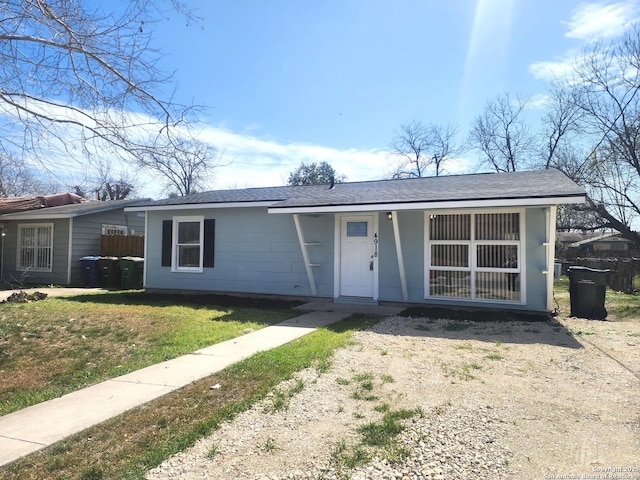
x,y
449,283
474,256
449,269
497,226
497,245
450,255
450,227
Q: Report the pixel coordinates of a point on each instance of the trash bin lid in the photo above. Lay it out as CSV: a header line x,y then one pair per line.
x,y
579,268
91,257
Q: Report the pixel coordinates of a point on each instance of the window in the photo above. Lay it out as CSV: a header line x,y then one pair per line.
x,y
188,244
357,229
35,247
474,256
114,230
187,250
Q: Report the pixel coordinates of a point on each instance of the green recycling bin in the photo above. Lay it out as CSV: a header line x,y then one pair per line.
x,y
109,268
132,269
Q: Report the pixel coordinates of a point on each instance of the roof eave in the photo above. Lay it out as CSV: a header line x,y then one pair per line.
x,y
199,206
435,205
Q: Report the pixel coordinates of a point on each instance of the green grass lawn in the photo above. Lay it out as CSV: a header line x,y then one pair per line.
x,y
127,446
52,347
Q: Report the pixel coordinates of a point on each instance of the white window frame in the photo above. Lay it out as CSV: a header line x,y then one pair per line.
x,y
175,245
472,252
32,268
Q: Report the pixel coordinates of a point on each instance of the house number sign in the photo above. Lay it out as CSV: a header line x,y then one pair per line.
x,y
375,245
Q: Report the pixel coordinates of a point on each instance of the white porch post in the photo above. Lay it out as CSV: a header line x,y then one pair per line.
x,y
305,255
551,215
403,276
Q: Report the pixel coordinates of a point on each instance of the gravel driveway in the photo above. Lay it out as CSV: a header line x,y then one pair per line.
x,y
488,400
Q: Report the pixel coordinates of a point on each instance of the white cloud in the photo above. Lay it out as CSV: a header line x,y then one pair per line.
x,y
554,69
257,162
539,101
591,21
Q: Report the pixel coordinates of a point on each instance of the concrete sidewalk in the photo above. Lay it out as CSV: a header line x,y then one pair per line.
x,y
41,425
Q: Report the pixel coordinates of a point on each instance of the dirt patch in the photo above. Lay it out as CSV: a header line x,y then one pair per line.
x,y
498,399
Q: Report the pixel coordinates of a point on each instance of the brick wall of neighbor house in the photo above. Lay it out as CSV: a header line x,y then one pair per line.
x,y
254,252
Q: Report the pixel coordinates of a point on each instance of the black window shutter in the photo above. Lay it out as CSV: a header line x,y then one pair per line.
x,y
167,240
209,242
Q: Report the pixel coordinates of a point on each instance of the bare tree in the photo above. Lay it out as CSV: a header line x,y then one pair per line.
x,y
72,67
605,90
422,148
17,178
104,181
501,135
560,127
185,166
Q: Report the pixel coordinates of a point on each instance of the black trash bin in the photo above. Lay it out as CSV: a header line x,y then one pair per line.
x,y
91,274
587,287
109,268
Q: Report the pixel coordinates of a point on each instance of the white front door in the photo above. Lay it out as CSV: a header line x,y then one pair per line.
x,y
357,256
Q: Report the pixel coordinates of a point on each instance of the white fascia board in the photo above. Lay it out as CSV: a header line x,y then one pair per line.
x,y
198,206
521,202
42,216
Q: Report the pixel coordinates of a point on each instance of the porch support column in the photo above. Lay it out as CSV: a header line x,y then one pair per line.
x,y
305,256
403,276
550,244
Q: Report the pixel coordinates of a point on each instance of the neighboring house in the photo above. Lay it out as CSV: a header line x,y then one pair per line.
x,y
44,245
600,242
473,240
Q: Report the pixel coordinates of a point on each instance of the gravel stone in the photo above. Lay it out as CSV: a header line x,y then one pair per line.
x,y
496,400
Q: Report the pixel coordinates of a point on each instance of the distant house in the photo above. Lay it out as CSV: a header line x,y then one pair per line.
x,y
472,240
593,241
44,244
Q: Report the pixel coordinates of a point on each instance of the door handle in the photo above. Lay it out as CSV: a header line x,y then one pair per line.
x,y
371,265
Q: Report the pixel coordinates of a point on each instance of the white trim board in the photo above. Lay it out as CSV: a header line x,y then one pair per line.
x,y
452,204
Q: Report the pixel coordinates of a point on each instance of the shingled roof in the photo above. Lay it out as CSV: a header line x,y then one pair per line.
x,y
539,184
72,210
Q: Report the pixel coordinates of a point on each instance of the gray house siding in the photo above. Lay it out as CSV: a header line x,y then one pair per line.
x,y
259,232
58,273
535,252
257,252
254,252
318,234
411,226
86,232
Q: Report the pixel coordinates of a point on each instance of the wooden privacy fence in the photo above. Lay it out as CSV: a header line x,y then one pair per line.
x,y
622,270
122,246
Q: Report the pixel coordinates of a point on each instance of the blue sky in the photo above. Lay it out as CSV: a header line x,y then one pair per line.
x,y
291,81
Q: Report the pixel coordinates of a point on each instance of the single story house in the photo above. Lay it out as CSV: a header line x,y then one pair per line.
x,y
596,241
44,245
471,240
